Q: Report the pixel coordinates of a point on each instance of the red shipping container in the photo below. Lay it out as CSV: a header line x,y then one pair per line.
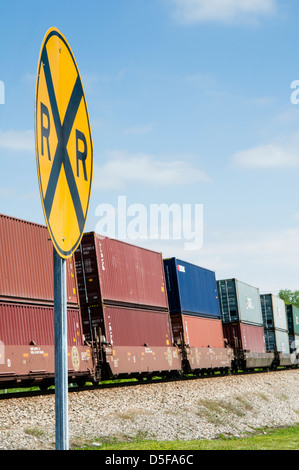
x,y
125,326
197,331
115,272
26,268
25,324
245,336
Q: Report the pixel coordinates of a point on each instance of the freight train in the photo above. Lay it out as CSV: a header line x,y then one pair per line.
x,y
130,314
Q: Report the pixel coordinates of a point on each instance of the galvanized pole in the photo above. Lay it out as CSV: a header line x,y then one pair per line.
x,y
61,366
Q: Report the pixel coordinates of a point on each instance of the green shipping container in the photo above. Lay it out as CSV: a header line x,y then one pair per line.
x,y
239,302
293,319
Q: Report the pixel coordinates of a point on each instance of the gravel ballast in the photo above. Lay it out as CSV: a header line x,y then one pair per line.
x,y
197,409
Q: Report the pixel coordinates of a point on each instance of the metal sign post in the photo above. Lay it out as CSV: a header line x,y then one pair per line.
x,y
64,157
61,367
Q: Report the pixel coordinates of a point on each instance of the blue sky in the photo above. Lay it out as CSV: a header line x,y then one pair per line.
x,y
189,103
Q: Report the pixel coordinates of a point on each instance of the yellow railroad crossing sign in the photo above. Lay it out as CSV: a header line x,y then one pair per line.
x,y
64,149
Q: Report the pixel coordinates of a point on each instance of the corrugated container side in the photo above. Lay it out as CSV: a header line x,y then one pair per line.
x,y
239,302
191,289
228,301
282,341
280,316
203,332
124,326
277,339
136,327
274,312
198,331
172,286
26,268
270,340
245,336
25,324
293,319
249,304
116,272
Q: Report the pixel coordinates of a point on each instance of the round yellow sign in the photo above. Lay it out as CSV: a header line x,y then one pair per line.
x,y
64,149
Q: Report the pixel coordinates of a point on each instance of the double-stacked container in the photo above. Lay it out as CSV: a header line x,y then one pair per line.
x,y
27,306
242,320
293,326
276,327
195,316
124,305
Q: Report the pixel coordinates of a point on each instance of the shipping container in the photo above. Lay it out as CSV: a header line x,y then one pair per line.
x,y
293,326
275,323
26,268
118,273
127,326
274,312
25,324
197,331
191,289
293,319
277,340
245,336
239,302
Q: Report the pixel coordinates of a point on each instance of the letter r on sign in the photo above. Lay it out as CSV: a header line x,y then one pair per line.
x,y
45,131
81,155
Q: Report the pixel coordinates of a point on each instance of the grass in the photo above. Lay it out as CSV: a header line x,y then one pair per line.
x,y
264,439
35,432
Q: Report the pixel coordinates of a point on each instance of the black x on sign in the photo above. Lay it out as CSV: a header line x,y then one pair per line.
x,y
64,149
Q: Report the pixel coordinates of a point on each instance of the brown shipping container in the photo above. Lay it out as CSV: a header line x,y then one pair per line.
x,y
126,326
26,268
245,336
115,272
197,331
24,324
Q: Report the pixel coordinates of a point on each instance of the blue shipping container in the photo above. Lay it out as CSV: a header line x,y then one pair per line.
x,y
191,289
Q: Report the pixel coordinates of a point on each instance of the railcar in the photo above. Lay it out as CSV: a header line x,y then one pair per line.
x,y
124,308
195,316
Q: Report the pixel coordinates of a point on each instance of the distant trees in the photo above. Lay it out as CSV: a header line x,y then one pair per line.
x,y
290,297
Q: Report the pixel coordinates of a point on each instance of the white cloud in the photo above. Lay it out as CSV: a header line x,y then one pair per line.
x,y
122,168
267,156
17,140
138,130
225,11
